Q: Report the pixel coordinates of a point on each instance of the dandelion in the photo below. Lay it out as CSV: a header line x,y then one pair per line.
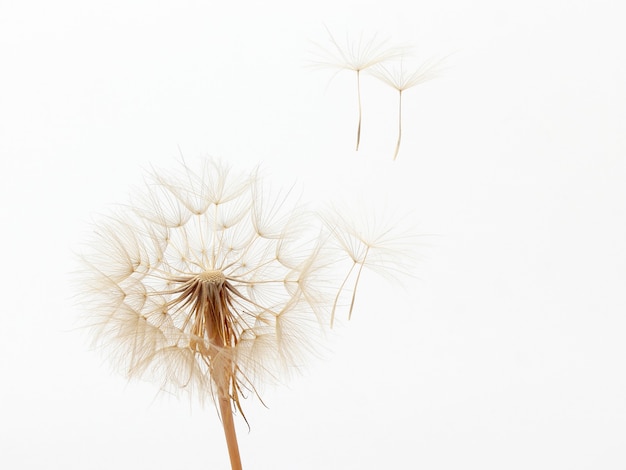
x,y
207,284
357,56
381,246
402,80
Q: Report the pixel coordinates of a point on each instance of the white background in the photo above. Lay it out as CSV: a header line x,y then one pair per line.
x,y
506,352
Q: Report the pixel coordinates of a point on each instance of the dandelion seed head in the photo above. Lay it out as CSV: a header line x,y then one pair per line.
x,y
198,284
210,284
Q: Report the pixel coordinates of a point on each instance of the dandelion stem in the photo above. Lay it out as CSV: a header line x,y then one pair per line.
x,y
219,327
358,92
399,124
226,412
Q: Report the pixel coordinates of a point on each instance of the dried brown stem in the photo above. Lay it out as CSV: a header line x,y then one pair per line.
x,y
214,329
225,401
228,423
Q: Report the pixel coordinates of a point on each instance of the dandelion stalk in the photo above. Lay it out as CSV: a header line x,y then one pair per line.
x,y
229,431
214,326
228,423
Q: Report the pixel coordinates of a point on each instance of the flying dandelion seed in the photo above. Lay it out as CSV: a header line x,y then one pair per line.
x,y
402,80
382,246
207,284
357,56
